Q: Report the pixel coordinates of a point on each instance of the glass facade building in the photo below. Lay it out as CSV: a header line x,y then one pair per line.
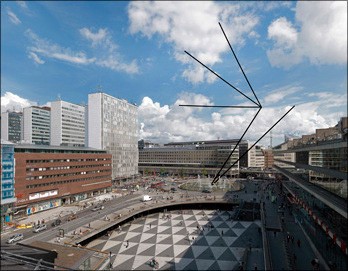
x,y
7,181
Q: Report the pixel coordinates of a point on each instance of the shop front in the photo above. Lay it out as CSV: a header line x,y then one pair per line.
x,y
42,206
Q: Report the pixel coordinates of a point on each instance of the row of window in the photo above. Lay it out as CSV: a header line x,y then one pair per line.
x,y
66,181
66,160
42,177
65,167
7,194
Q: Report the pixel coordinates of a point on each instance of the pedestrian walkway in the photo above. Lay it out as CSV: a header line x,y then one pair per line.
x,y
289,247
193,240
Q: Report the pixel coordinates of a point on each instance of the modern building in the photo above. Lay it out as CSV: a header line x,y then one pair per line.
x,y
37,125
50,176
7,172
256,158
68,124
113,126
11,126
317,187
189,158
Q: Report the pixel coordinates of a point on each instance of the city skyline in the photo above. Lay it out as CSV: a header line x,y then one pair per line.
x,y
135,51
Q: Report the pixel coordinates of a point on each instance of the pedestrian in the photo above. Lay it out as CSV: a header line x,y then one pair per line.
x,y
255,266
127,244
150,225
298,242
222,232
292,239
288,237
89,225
275,233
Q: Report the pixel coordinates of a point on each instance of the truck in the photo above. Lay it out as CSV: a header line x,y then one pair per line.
x,y
146,198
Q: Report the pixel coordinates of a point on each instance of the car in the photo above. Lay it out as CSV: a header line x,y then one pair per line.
x,y
55,223
206,191
15,238
97,208
173,189
72,217
40,227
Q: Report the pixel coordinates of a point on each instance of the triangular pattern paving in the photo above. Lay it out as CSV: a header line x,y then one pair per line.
x,y
177,244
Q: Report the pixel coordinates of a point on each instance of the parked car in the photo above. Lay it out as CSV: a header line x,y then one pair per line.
x,y
173,189
15,238
40,227
206,191
72,217
57,222
97,208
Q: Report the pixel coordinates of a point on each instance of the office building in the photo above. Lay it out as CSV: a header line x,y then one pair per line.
x,y
256,158
7,172
113,126
189,158
37,125
67,124
51,176
11,126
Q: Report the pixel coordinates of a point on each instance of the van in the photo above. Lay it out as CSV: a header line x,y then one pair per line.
x,y
146,198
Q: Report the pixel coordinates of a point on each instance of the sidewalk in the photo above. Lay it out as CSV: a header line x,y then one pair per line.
x,y
288,254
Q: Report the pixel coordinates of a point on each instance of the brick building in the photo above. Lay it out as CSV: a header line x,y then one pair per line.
x,y
50,176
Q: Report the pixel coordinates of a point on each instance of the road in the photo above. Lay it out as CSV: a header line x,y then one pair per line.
x,y
85,216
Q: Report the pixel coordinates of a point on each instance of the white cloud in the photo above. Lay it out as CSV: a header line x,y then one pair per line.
x,y
13,17
321,36
103,58
279,94
22,4
193,26
96,38
113,63
164,123
48,49
11,101
35,57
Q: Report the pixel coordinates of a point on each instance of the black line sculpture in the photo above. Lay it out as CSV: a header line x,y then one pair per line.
x,y
257,105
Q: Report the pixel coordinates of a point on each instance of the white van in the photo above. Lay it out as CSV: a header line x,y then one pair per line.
x,y
146,198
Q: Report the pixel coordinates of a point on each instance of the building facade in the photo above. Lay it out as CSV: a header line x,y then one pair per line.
x,y
113,126
68,124
7,172
11,126
189,158
37,125
317,186
50,176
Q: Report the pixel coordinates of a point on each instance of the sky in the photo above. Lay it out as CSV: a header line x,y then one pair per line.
x,y
292,53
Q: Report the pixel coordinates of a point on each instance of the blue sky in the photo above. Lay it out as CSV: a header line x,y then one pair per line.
x,y
294,53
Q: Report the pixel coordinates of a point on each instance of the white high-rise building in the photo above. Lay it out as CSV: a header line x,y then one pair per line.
x,y
67,124
37,125
113,126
